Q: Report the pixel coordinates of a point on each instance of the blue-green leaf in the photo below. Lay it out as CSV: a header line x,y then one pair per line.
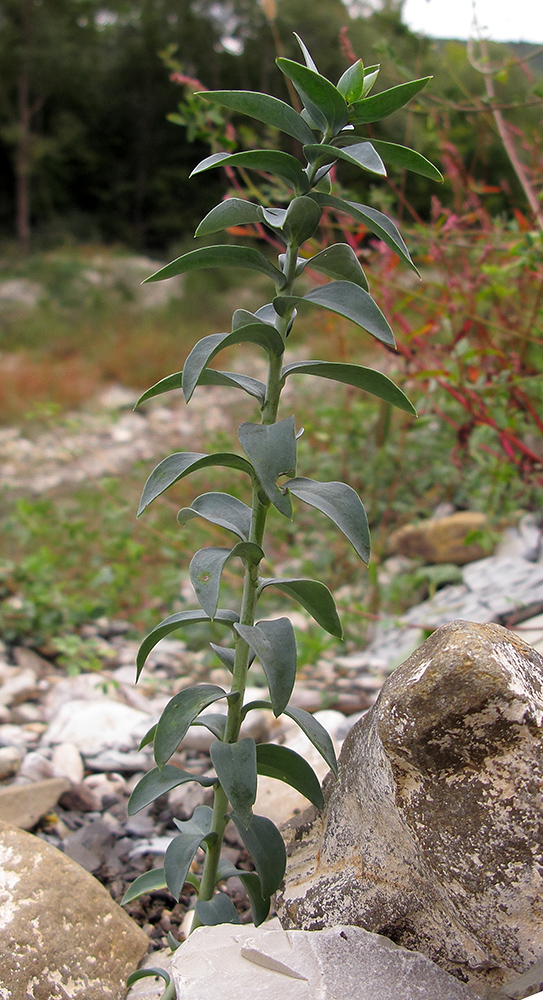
x,y
275,761
313,596
346,299
372,109
362,378
260,333
351,83
154,971
206,568
222,509
148,882
235,764
220,256
361,154
172,624
179,714
316,734
260,907
370,76
265,845
181,850
157,782
231,212
217,910
213,721
338,261
342,505
272,451
264,108
323,101
402,156
208,376
183,463
301,219
375,221
270,161
309,61
274,642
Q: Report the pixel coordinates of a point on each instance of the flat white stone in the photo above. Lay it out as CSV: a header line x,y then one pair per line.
x,y
338,963
94,726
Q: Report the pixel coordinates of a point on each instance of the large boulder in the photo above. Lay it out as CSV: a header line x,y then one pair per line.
x,y
62,936
433,833
451,539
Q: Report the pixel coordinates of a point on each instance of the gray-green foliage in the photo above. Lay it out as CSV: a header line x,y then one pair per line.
x,y
326,129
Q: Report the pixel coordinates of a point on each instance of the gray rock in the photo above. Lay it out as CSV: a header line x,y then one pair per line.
x,y
67,762
340,963
62,936
24,805
96,726
10,762
433,834
18,688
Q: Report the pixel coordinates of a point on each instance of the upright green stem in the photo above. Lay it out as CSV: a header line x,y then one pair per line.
x,y
260,507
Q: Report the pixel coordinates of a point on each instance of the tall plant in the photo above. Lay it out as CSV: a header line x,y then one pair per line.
x,y
327,129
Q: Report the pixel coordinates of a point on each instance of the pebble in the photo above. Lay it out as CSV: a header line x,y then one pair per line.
x,y
10,762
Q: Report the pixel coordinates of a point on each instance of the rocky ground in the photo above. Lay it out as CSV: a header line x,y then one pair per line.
x,y
69,755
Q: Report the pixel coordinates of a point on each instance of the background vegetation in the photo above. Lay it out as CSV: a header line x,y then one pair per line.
x,y
92,171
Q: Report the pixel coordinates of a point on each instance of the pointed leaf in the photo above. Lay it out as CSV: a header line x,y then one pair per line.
x,y
272,451
362,378
309,61
206,568
375,221
370,76
219,256
316,734
260,333
313,596
209,376
148,738
323,101
265,109
172,624
339,261
361,154
222,509
148,882
183,463
265,845
181,850
351,83
345,299
231,212
226,655
274,643
260,906
144,973
270,161
273,217
342,505
275,761
372,109
408,159
301,219
235,764
179,714
212,721
157,782
217,910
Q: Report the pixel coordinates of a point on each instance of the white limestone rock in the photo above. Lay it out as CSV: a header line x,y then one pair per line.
x,y
339,963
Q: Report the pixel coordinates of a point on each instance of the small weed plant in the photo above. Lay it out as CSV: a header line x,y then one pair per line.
x,y
327,128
